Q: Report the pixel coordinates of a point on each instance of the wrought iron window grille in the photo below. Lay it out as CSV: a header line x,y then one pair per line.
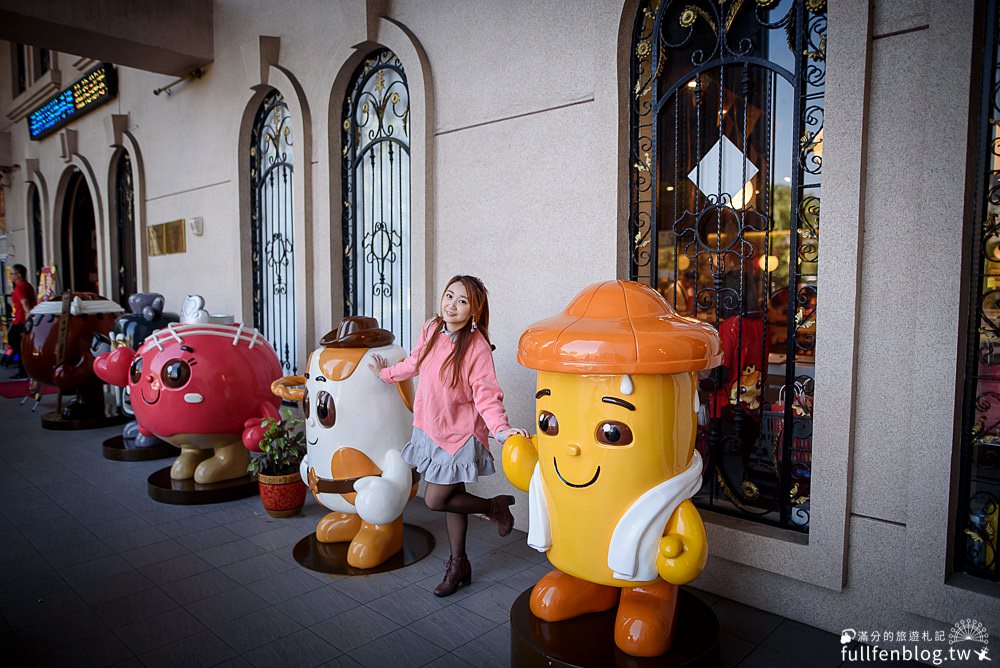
x,y
35,209
979,471
272,222
376,194
726,122
125,278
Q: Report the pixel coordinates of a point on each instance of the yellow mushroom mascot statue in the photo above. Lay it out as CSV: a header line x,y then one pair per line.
x,y
356,427
613,466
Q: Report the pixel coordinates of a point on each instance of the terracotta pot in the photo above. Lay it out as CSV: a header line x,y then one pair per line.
x,y
282,495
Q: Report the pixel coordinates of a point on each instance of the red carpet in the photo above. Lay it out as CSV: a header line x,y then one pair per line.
x,y
15,389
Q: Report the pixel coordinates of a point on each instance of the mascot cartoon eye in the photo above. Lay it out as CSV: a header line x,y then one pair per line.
x,y
547,423
135,371
305,404
613,432
326,411
175,373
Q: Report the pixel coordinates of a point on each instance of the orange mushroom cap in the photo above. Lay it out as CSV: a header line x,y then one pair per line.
x,y
619,327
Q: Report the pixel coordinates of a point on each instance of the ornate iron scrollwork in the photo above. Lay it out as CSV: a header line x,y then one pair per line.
x,y
979,479
125,280
376,198
272,221
725,169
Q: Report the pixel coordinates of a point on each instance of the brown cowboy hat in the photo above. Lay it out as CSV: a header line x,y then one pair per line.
x,y
357,331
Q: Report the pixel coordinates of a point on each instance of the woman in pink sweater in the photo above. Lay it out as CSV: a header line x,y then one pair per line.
x,y
458,401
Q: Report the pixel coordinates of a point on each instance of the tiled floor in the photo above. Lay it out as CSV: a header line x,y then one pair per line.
x,y
93,572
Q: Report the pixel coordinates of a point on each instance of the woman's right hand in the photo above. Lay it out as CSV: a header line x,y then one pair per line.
x,y
377,363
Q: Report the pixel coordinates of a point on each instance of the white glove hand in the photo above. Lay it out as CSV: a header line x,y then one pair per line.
x,y
304,470
381,499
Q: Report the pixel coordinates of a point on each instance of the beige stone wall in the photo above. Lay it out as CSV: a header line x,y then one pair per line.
x,y
518,106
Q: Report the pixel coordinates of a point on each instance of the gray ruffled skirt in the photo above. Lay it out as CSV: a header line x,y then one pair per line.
x,y
435,464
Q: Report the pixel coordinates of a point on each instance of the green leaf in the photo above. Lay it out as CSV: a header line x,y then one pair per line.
x,y
282,446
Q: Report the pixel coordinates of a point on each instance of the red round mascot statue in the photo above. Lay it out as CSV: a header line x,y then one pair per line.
x,y
194,385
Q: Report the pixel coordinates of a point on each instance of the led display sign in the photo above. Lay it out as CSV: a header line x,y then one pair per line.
x,y
95,88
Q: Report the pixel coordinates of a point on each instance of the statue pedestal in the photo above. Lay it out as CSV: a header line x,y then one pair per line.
x,y
589,640
163,488
332,557
114,448
55,421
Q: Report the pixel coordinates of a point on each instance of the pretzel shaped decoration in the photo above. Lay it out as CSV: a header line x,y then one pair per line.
x,y
289,388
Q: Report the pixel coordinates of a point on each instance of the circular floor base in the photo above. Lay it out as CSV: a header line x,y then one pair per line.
x,y
163,488
589,640
53,420
332,557
114,448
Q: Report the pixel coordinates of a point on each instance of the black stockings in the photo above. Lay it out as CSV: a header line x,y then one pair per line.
x,y
457,503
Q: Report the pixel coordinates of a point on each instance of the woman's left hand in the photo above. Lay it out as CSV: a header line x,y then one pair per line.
x,y
513,431
377,363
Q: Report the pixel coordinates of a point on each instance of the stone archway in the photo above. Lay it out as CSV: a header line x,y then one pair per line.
x,y
78,229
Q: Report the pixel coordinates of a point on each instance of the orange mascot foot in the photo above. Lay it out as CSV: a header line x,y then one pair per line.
x,y
337,528
558,596
375,543
645,622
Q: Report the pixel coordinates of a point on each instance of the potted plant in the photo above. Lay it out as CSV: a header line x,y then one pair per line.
x,y
280,450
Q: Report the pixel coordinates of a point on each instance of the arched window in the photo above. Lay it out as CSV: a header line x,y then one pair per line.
x,y
376,164
976,532
35,224
272,228
124,231
726,122
80,260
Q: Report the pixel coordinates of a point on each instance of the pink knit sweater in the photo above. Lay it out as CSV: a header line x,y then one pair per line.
x,y
449,415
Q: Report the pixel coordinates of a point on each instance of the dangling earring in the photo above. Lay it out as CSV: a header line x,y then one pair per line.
x,y
473,325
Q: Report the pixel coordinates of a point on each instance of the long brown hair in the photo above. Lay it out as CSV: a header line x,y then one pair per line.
x,y
479,307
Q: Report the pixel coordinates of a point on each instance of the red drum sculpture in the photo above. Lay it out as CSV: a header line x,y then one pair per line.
x,y
57,349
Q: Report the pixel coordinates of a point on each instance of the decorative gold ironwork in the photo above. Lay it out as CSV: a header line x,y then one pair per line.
x,y
702,100
728,492
979,480
692,13
376,164
272,227
819,53
732,13
642,88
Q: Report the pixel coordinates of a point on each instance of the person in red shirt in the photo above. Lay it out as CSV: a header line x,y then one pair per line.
x,y
24,301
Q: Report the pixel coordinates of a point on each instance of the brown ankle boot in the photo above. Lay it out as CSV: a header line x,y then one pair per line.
x,y
457,572
500,513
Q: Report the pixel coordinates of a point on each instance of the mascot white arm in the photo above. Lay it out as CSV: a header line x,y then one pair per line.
x,y
381,499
